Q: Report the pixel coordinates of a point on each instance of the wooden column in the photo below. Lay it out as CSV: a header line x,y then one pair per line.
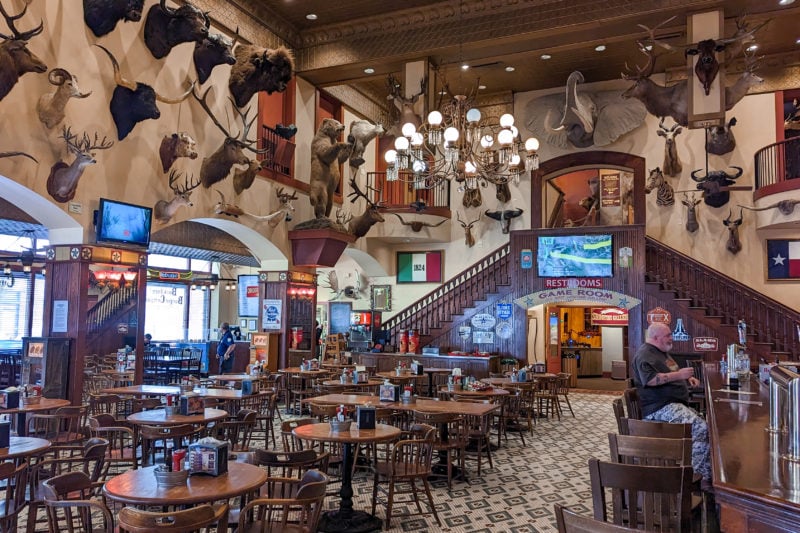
x,y
297,292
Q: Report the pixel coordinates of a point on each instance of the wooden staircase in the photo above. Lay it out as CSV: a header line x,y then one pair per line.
x,y
101,320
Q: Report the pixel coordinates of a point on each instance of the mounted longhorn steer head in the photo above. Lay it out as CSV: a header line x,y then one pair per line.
x,y
417,225
469,239
51,105
163,210
786,207
166,27
133,102
721,139
504,217
711,184
360,225
177,145
15,58
259,69
216,49
733,245
63,179
691,212
102,15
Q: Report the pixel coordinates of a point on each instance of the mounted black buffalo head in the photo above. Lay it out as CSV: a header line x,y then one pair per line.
x,y
712,183
102,15
133,102
166,27
15,58
259,69
504,217
215,49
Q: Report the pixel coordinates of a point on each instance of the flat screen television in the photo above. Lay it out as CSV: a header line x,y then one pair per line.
x,y
247,286
575,256
119,222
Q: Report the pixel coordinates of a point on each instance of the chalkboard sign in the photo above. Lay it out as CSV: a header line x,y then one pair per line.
x,y
340,317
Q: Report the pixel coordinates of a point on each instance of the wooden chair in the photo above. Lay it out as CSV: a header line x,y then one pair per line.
x,y
291,505
239,432
662,494
562,390
477,434
546,395
64,426
633,405
449,441
145,404
290,464
409,461
121,450
619,415
290,442
150,436
650,451
571,522
66,499
512,417
109,404
653,428
298,388
202,517
14,478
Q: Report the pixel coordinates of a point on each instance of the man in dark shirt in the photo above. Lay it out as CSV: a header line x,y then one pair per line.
x,y
225,349
664,393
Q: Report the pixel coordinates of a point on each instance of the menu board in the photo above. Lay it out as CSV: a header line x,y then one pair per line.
x,y
247,288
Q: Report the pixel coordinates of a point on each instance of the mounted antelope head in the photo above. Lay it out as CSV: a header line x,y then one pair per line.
x,y
163,210
504,217
51,105
360,225
665,194
218,165
672,163
403,104
63,179
469,239
15,58
417,225
691,212
733,245
224,208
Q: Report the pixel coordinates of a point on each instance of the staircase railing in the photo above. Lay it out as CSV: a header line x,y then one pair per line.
x,y
108,306
455,295
778,162
731,301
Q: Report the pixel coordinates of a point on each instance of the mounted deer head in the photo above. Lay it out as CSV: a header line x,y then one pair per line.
x,y
51,105
163,210
63,179
733,245
469,239
672,162
285,208
218,165
748,79
360,225
15,58
691,212
403,104
417,225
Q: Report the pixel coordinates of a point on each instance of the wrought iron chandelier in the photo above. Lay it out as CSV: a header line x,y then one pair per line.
x,y
458,142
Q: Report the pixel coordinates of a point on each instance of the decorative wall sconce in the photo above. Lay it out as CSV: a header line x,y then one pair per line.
x,y
114,279
301,292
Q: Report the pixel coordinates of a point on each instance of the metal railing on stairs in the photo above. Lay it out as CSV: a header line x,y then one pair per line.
x,y
107,308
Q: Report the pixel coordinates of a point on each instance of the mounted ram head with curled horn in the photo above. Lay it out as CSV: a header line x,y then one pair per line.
x,y
15,58
51,105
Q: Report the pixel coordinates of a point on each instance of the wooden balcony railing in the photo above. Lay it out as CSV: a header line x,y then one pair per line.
x,y
731,301
777,163
400,194
280,152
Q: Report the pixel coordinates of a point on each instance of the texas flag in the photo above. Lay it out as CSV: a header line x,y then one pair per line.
x,y
419,267
783,259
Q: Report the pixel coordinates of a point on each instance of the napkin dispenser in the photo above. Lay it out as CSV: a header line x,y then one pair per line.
x,y
389,393
191,404
9,399
208,456
247,387
416,368
365,417
5,432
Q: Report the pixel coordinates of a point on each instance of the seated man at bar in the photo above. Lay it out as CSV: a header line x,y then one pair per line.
x,y
664,393
225,348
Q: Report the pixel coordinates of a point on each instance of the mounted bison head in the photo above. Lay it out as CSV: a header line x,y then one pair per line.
x,y
102,15
259,69
133,102
166,27
216,49
712,183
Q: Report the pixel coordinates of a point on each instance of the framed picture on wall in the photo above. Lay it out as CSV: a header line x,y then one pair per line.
x,y
251,324
419,267
783,259
381,298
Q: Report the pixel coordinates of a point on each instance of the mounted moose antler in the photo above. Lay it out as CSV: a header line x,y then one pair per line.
x,y
163,210
360,225
786,207
51,105
672,162
733,245
15,58
63,179
218,165
417,225
469,239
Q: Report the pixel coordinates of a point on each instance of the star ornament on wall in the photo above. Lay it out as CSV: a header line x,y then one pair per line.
x,y
779,259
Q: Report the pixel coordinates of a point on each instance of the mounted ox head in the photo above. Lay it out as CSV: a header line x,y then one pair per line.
x,y
259,69
707,66
733,245
51,105
504,217
166,27
102,15
216,49
133,102
15,58
721,139
177,145
711,184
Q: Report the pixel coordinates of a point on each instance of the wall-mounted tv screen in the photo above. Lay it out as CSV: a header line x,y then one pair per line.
x,y
571,256
123,223
247,286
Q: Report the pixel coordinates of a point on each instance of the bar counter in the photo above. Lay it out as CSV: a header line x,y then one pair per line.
x,y
479,367
757,490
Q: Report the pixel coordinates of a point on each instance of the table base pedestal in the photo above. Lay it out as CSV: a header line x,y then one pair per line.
x,y
355,522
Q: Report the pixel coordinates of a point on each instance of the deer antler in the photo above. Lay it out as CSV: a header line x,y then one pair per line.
x,y
652,34
204,105
356,193
188,185
19,35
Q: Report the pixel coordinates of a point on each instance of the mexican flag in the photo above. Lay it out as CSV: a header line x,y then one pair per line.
x,y
420,267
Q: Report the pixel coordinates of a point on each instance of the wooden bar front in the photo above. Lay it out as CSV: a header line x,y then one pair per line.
x,y
757,490
479,367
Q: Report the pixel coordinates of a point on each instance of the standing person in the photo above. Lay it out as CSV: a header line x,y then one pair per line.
x,y
225,349
664,393
317,337
147,340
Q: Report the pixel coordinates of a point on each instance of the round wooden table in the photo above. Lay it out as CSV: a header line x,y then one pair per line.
x,y
22,447
139,487
45,404
231,377
402,379
158,417
488,393
304,373
346,519
336,382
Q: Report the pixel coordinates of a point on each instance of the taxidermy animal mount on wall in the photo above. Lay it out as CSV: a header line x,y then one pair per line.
x,y
177,145
166,27
15,58
691,212
665,194
733,245
362,131
404,105
51,105
672,162
216,49
581,119
243,179
63,179
163,210
786,207
504,217
469,239
721,139
417,225
360,225
712,183
102,15
259,69
15,154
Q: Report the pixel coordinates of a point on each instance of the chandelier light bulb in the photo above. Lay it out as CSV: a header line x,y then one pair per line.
x,y
408,129
401,144
531,144
487,141
514,131
390,156
507,120
417,139
418,166
515,160
451,134
470,168
505,137
473,115
435,118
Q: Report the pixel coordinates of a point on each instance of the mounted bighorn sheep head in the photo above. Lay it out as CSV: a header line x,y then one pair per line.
x,y
403,104
417,225
63,179
672,162
786,207
15,58
133,102
360,225
504,217
177,145
166,27
259,69
733,245
102,15
691,212
51,105
712,183
721,139
665,194
469,239
243,179
217,166
362,131
163,210
216,49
